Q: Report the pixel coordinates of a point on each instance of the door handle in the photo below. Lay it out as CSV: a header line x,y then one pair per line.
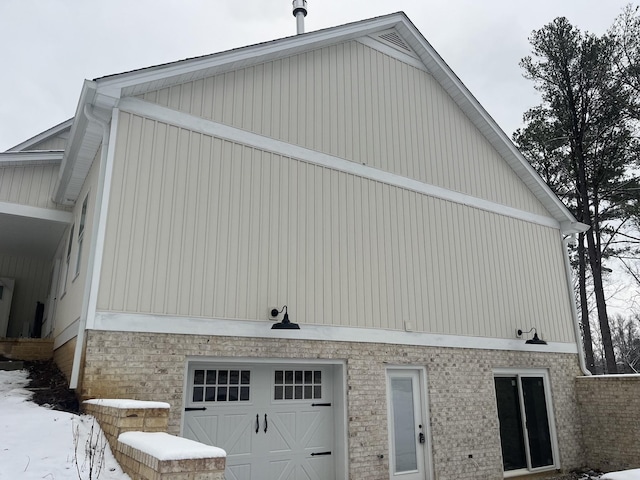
x,y
421,438
266,424
257,423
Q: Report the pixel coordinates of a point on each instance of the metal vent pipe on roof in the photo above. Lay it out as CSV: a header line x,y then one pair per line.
x,y
300,11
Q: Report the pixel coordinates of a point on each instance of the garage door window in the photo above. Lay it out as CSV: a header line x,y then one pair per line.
x,y
221,385
297,385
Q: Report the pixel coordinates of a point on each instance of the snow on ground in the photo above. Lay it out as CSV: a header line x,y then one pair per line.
x,y
38,443
626,475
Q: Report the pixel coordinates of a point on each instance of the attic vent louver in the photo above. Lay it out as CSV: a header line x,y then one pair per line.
x,y
394,38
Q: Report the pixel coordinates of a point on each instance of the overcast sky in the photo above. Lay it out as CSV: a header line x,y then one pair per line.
x,y
48,47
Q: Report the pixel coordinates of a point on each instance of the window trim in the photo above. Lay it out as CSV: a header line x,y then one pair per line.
x,y
81,230
532,373
65,269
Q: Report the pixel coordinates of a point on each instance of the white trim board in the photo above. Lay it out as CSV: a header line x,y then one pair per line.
x,y
70,332
147,323
191,122
40,213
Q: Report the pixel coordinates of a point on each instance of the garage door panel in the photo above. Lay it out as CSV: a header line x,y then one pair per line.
x,y
294,419
238,472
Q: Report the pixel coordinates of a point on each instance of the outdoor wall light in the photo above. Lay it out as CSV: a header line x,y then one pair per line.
x,y
532,341
285,324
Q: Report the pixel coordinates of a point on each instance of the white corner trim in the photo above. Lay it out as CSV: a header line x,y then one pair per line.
x,y
135,322
36,212
102,201
208,127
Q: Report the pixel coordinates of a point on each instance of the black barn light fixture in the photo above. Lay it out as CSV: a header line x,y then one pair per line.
x,y
532,341
285,324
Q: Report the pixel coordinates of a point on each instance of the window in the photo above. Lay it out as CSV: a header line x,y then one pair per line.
x,y
297,385
65,268
526,425
83,218
214,385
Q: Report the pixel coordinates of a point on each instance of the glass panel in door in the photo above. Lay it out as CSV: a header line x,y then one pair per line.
x,y
404,429
510,417
539,436
406,425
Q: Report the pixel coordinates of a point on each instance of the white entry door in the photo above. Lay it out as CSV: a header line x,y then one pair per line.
x,y
274,421
408,435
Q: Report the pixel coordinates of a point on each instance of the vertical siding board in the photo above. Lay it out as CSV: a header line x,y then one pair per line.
x,y
190,232
112,237
212,264
245,231
351,228
222,254
125,221
139,214
164,228
200,238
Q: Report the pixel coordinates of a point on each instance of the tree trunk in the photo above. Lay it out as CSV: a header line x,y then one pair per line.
x,y
601,304
584,307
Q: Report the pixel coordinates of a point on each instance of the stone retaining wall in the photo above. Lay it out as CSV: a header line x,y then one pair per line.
x,y
117,417
26,348
114,420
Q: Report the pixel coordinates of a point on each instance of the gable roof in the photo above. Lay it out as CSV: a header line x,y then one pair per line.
x,y
104,93
41,137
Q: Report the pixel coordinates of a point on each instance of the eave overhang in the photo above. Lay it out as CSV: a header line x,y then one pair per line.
x,y
104,94
84,141
31,158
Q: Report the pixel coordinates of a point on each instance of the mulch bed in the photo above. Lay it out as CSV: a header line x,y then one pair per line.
x,y
50,387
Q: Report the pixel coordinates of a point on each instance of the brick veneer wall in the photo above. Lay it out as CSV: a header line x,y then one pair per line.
x,y
63,357
463,411
610,410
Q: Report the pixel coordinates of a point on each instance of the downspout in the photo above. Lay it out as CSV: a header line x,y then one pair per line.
x,y
572,301
82,325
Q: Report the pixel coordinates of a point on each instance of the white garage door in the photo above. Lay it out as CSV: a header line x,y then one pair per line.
x,y
274,421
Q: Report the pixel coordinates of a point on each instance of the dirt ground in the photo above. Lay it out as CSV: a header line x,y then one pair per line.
x,y
50,387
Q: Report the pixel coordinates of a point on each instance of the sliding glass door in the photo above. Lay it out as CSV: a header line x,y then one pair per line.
x,y
526,432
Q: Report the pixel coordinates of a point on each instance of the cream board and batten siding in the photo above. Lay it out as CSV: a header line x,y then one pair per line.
x,y
69,305
354,102
203,227
32,281
31,185
56,143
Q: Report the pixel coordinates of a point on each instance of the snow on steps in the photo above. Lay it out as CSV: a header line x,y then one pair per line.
x,y
136,431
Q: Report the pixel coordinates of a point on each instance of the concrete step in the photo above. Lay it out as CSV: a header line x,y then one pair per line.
x,y
11,365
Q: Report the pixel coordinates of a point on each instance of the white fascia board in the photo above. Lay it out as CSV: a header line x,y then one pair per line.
x,y
37,157
40,213
209,127
75,141
569,228
485,123
114,85
146,323
52,132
